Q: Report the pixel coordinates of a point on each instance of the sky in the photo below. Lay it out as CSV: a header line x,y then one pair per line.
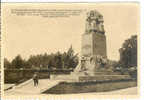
x,y
31,35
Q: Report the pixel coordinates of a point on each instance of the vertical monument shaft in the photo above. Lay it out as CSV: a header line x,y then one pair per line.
x,y
93,44
94,39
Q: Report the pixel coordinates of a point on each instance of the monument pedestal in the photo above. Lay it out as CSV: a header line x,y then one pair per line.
x,y
93,44
99,76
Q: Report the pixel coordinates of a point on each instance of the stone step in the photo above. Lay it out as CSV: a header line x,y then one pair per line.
x,y
103,77
106,73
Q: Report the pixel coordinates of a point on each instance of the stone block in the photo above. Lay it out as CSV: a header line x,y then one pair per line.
x,y
94,44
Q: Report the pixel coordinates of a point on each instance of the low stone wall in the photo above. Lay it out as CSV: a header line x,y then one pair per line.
x,y
67,78
86,78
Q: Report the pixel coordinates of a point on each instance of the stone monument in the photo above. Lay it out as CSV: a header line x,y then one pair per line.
x,y
93,48
94,39
93,59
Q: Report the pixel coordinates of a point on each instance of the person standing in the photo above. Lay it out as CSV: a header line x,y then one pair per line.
x,y
35,79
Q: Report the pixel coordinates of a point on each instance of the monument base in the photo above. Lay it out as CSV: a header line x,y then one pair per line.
x,y
84,76
99,76
103,78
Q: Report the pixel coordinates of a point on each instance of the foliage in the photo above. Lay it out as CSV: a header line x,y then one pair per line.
x,y
66,60
7,64
17,62
128,53
128,57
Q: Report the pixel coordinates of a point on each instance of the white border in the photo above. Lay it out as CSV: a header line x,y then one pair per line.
x,y
141,35
71,0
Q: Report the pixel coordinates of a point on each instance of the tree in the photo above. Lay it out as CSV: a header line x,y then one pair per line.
x,y
26,64
7,64
17,62
50,64
58,60
52,61
128,52
71,59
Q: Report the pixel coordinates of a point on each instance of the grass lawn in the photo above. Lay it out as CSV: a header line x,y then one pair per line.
x,y
85,87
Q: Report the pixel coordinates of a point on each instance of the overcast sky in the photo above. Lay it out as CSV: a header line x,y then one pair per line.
x,y
27,35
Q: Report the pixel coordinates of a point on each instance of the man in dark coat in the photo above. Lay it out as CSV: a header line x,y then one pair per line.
x,y
35,79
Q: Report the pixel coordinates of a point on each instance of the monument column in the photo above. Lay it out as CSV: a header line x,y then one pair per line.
x,y
94,39
93,49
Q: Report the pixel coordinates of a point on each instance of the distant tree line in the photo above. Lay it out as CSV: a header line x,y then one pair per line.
x,y
128,52
66,60
128,57
69,60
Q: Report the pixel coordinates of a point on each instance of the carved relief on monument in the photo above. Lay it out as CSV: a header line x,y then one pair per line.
x,y
94,22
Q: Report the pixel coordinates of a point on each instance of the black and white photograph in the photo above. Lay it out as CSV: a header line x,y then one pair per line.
x,y
76,49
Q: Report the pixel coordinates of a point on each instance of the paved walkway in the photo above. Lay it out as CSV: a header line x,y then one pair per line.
x,y
28,88
127,91
7,86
